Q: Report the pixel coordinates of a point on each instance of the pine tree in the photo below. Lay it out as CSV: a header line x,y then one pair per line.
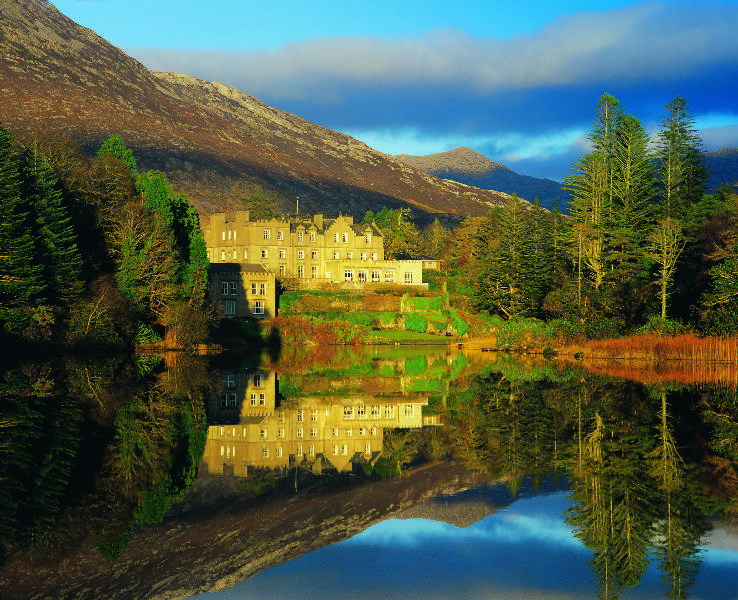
x,y
56,246
115,146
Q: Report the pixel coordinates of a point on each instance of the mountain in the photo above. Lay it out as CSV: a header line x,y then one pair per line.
x,y
723,165
467,166
214,142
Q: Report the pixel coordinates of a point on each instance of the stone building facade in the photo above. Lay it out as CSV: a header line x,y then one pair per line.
x,y
312,250
243,290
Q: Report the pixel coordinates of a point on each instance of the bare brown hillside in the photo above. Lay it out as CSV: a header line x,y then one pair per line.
x,y
214,142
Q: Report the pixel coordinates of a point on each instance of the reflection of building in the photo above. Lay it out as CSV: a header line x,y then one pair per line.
x,y
243,290
254,432
316,250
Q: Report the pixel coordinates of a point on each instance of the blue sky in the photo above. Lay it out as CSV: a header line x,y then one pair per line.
x,y
515,81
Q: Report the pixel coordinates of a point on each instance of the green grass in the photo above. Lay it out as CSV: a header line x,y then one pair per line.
x,y
406,336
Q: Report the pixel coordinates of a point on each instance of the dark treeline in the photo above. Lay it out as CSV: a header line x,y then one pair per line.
x,y
89,450
643,245
93,253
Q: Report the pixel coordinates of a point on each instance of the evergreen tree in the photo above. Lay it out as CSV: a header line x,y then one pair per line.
x,y
115,147
538,256
56,247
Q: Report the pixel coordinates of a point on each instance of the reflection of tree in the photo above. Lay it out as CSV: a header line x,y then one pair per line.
x,y
51,470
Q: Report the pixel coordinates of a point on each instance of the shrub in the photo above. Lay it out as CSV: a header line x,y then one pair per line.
x,y
416,322
424,302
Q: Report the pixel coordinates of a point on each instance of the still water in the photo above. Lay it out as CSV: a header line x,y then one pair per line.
x,y
382,472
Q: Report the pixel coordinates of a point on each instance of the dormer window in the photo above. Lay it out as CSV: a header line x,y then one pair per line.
x,y
368,238
280,235
312,236
299,236
344,238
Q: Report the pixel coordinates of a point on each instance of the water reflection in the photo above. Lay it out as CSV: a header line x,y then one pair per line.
x,y
308,449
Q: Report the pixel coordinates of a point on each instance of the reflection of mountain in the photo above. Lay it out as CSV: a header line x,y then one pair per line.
x,y
213,547
470,506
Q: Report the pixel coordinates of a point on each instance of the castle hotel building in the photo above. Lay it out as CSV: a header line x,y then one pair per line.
x,y
313,250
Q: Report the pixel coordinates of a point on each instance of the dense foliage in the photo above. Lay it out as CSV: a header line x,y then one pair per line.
x,y
643,242
91,252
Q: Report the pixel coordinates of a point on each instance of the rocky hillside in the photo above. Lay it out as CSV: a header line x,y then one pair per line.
x,y
467,166
214,142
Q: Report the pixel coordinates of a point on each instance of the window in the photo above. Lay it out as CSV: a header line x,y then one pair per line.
x,y
299,432
301,254
230,307
253,288
222,255
328,275
224,399
336,255
299,236
368,238
376,275
335,449
229,236
362,430
362,275
314,272
263,434
282,253
232,400
234,235
244,433
262,399
314,255
245,254
264,253
234,255
223,236
280,234
389,412
233,288
280,416
298,452
278,452
265,452
312,236
376,412
253,399
389,276
374,256
344,449
360,412
257,379
262,289
281,270
350,255
363,256
409,410
225,287
374,431
267,234
311,450
349,432
314,414
299,415
367,448
348,412
334,432
258,307
408,276
344,238
300,272
313,432
280,432
335,238
348,274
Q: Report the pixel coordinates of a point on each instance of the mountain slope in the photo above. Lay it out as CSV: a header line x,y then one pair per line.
x,y
723,165
469,167
214,142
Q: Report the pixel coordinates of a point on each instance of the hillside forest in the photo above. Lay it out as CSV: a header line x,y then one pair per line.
x,y
94,253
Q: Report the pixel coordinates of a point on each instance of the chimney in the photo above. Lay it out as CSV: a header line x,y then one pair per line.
x,y
318,220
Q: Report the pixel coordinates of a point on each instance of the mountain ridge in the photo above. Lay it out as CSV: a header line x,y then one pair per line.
x,y
216,143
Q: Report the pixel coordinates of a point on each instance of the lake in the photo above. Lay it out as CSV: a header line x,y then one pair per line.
x,y
391,472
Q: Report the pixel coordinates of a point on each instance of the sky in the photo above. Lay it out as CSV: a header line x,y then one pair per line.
x,y
523,551
515,81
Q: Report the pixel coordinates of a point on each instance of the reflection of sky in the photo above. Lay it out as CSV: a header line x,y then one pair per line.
x,y
523,551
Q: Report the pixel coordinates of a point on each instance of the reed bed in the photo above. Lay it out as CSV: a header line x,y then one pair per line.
x,y
680,372
687,348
